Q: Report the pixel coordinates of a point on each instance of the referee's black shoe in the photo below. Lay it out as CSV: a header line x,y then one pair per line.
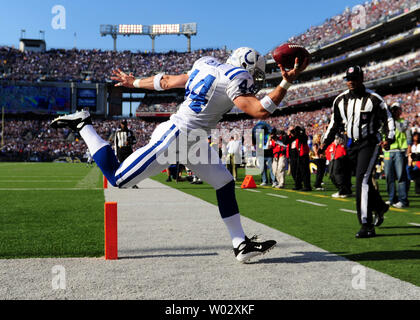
x,y
367,231
379,217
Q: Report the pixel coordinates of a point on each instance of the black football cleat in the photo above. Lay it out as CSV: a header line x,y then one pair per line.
x,y
250,248
379,217
75,121
366,232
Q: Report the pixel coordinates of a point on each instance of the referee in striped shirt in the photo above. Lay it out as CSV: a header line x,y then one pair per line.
x,y
124,141
362,113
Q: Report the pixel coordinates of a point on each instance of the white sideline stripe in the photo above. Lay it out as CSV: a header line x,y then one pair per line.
x,y
251,190
277,195
46,189
414,224
313,203
347,210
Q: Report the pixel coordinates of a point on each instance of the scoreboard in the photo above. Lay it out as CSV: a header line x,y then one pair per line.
x,y
86,98
155,29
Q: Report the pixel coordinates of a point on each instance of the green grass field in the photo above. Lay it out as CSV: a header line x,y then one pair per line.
x,y
330,223
51,210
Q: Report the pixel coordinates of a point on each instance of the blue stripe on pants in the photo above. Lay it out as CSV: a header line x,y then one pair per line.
x,y
107,162
149,161
144,154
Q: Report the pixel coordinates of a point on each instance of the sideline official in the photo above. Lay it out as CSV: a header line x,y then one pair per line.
x,y
361,113
124,141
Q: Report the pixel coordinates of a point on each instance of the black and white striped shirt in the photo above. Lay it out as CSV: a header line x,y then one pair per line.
x,y
361,116
124,138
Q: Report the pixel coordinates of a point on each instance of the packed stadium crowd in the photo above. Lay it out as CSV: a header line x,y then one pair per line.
x,y
26,139
158,107
315,122
34,140
349,21
93,65
374,71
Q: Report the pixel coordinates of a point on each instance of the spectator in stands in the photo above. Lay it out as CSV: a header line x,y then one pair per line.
x,y
416,125
396,162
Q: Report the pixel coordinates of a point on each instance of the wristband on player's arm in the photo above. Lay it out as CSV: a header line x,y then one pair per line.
x,y
136,83
268,104
156,81
285,84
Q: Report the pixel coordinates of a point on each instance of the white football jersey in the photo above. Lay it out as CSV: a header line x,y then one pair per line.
x,y
209,93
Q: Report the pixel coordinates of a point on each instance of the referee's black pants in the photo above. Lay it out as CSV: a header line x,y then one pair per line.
x,y
363,156
123,153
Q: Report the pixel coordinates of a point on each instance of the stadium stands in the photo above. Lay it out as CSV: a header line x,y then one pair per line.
x,y
27,140
33,140
93,65
344,24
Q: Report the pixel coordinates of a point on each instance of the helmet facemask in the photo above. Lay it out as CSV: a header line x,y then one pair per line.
x,y
259,79
252,61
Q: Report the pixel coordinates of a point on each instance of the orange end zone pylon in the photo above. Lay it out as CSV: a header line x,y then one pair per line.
x,y
111,231
105,183
248,182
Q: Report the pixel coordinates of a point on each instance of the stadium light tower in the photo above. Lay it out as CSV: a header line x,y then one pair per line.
x,y
186,29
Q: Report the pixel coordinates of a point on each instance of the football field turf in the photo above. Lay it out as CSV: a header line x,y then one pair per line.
x,y
330,224
51,210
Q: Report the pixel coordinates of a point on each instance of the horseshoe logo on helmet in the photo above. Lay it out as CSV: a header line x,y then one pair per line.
x,y
246,59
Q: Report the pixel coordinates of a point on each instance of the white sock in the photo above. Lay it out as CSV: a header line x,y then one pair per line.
x,y
92,139
233,223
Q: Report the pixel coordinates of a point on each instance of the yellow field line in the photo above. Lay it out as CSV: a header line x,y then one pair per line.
x,y
324,196
339,199
305,193
398,210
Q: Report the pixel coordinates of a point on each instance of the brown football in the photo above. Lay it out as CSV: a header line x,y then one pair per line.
x,y
286,54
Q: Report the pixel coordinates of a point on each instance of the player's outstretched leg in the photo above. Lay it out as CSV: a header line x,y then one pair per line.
x,y
100,150
222,181
138,166
244,248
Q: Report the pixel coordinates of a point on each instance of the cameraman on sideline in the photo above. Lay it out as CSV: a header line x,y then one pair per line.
x,y
298,154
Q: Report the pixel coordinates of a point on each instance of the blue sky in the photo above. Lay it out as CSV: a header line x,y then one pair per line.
x,y
230,23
